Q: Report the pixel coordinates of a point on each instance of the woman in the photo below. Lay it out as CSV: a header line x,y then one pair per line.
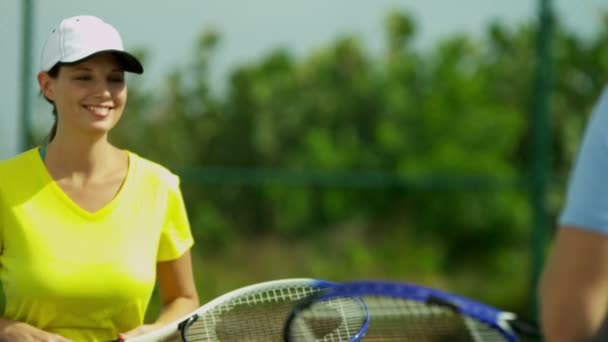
x,y
86,228
574,285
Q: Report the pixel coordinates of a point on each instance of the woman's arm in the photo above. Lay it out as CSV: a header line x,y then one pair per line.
x,y
178,293
177,288
574,286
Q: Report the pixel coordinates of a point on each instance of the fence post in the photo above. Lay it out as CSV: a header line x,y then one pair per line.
x,y
541,146
26,73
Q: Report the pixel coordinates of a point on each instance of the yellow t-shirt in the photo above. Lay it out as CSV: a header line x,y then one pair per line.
x,y
86,276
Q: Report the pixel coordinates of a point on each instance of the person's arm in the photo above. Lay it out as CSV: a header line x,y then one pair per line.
x,y
11,331
574,286
177,291
573,289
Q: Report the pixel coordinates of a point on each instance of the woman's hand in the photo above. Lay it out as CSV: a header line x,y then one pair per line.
x,y
15,331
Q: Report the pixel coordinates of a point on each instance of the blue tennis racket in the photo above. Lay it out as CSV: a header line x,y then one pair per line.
x,y
395,311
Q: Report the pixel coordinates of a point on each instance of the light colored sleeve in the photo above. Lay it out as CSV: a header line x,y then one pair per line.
x,y
586,204
176,235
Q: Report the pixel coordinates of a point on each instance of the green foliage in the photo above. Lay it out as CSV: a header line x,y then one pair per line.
x,y
427,151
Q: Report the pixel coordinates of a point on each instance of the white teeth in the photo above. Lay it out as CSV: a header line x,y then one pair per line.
x,y
99,110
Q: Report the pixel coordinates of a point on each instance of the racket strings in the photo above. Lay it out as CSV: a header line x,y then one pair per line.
x,y
408,320
334,320
390,319
256,316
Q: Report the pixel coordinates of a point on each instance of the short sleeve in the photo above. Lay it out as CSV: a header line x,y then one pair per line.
x,y
176,235
587,195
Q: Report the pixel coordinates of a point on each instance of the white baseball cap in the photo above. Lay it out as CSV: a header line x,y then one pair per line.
x,y
80,37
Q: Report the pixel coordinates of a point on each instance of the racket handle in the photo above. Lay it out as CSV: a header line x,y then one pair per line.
x,y
526,328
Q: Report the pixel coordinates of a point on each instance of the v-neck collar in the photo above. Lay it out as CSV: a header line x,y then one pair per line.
x,y
70,203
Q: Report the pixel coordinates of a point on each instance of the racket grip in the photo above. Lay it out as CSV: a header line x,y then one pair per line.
x,y
526,328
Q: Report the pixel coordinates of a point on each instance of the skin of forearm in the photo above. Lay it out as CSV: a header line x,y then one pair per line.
x,y
177,308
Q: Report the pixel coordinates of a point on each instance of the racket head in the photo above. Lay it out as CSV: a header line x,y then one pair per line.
x,y
255,312
412,312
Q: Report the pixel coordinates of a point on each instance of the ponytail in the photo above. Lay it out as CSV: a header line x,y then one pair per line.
x,y
53,72
53,130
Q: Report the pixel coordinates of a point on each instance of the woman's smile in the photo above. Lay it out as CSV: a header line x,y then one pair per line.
x,y
99,111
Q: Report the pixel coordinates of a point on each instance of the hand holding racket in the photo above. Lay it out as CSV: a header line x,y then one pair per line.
x,y
399,312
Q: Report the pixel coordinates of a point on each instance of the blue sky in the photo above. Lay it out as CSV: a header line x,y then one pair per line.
x,y
167,30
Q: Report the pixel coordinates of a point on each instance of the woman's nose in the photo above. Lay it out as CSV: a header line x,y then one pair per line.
x,y
102,88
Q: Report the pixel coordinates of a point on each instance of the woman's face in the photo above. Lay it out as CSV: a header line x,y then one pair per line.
x,y
89,96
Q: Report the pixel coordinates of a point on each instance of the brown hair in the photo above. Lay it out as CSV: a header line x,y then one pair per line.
x,y
53,73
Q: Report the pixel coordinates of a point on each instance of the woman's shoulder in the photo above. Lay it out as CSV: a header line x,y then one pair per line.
x,y
17,174
19,163
153,171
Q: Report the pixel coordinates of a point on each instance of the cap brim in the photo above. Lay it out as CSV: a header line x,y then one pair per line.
x,y
128,62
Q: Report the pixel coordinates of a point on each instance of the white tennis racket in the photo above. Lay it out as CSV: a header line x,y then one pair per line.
x,y
253,313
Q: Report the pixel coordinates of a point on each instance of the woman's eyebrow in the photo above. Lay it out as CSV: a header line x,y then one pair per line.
x,y
79,68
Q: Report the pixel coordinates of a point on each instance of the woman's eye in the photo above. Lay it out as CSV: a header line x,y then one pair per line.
x,y
116,79
83,78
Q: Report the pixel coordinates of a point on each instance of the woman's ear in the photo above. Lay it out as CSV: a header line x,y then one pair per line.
x,y
45,81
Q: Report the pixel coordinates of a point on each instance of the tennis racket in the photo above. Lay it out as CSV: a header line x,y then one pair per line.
x,y
395,311
253,313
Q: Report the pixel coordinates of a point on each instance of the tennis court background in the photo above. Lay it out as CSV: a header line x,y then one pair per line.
x,y
332,207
